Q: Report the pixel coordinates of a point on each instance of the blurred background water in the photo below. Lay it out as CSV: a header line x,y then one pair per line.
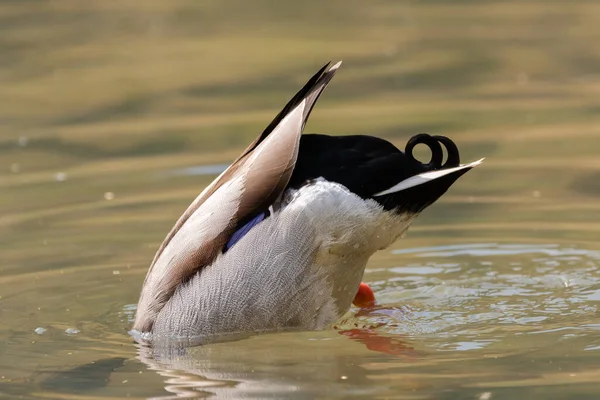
x,y
114,115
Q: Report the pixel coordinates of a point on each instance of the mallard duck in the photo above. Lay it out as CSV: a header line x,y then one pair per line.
x,y
281,238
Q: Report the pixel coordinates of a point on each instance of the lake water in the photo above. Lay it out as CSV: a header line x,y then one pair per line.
x,y
114,115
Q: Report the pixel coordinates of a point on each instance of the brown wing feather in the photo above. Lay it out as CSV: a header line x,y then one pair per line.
x,y
311,91
253,181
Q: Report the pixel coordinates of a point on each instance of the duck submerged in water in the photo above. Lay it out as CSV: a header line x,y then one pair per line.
x,y
281,238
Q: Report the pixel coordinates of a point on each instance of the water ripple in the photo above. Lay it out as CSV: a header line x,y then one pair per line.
x,y
490,291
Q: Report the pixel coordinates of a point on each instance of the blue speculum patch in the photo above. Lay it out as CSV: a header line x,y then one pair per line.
x,y
241,232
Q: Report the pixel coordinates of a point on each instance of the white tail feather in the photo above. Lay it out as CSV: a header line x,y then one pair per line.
x,y
426,177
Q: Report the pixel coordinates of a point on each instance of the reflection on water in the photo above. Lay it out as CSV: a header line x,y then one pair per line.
x,y
301,365
114,116
83,378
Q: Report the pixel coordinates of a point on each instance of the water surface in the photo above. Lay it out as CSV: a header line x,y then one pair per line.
x,y
113,116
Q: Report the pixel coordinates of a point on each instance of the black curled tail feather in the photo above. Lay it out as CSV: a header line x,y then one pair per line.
x,y
437,155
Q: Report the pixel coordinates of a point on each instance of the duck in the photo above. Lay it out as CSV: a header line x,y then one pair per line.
x,y
281,238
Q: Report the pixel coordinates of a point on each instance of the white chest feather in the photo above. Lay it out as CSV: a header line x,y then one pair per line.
x,y
348,230
346,226
300,267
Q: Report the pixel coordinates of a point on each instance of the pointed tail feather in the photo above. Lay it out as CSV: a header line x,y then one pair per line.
x,y
310,92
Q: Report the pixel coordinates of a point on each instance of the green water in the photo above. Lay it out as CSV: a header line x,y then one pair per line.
x,y
108,108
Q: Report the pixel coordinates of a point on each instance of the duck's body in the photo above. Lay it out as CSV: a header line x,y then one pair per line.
x,y
300,267
281,239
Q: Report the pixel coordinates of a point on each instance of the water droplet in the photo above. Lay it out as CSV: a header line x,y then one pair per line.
x,y
109,195
71,331
40,330
60,177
